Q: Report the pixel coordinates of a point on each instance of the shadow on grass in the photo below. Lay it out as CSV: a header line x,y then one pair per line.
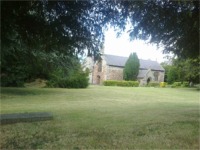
x,y
25,117
24,91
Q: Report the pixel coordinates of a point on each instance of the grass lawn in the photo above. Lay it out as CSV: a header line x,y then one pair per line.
x,y
103,118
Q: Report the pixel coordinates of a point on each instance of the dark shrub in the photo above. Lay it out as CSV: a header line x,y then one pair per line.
x,y
15,77
74,79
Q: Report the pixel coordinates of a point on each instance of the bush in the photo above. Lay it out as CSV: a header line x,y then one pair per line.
x,y
197,86
173,86
163,84
12,81
177,84
153,84
185,84
121,83
15,77
78,79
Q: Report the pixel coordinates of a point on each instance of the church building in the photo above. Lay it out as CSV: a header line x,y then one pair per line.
x,y
110,67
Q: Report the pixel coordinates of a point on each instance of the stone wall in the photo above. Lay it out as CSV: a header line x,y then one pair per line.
x,y
88,64
161,76
114,73
99,74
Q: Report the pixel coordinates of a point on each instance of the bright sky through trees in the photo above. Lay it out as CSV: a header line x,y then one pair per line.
x,y
122,46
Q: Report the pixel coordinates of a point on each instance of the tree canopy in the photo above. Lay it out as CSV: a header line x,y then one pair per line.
x,y
39,36
171,24
182,70
73,26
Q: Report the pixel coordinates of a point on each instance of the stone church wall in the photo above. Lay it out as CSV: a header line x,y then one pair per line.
x,y
106,73
161,76
99,72
114,73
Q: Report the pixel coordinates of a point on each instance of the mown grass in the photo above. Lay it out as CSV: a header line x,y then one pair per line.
x,y
103,118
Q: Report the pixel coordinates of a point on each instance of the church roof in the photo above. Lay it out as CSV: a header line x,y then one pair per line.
x,y
120,61
142,73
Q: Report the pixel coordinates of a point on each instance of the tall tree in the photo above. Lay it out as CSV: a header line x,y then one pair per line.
x,y
131,68
39,36
182,70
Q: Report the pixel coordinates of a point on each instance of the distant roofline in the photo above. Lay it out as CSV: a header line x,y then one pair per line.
x,y
116,66
139,68
120,66
128,56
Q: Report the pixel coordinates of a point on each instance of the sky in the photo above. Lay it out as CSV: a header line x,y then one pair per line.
x,y
122,46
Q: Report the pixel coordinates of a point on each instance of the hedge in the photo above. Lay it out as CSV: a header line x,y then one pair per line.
x,y
179,84
153,84
121,83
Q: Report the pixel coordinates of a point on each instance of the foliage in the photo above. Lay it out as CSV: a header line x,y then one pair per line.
x,y
16,77
77,81
35,33
153,84
197,86
131,68
173,75
121,83
110,82
50,25
172,24
167,67
182,70
163,84
176,84
190,69
185,84
69,77
38,36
